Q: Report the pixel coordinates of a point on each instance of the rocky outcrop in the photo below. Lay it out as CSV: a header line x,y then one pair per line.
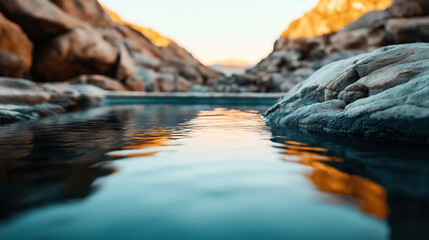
x,y
22,99
330,16
15,49
74,38
381,94
295,58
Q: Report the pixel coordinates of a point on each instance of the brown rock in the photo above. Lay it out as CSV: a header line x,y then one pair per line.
x,y
125,66
409,8
134,83
40,19
89,11
100,81
15,49
78,52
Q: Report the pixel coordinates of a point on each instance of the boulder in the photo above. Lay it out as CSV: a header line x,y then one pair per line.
x,y
80,51
40,19
380,94
99,81
21,92
88,11
15,49
134,83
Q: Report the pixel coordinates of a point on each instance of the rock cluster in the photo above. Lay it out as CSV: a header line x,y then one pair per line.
x,y
59,40
22,99
380,94
295,59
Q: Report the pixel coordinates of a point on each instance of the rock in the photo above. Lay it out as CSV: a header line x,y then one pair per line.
x,y
409,8
88,95
99,81
125,65
403,22
14,113
21,92
61,95
380,94
15,49
77,52
88,11
40,19
134,83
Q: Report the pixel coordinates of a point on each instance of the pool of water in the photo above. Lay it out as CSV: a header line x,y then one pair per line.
x,y
204,172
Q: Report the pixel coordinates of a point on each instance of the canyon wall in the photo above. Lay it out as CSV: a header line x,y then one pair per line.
x,y
78,41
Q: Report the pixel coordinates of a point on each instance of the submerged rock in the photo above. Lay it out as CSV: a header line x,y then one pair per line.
x,y
380,94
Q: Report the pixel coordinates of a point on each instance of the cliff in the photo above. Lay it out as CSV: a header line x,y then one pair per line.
x,y
61,40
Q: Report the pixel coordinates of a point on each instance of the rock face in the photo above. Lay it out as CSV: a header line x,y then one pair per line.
x,y
380,94
295,59
15,49
330,16
74,38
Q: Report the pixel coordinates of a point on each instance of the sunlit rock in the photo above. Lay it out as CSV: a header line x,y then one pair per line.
x,y
330,16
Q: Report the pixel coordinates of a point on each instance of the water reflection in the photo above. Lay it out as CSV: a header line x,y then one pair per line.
x,y
390,180
208,163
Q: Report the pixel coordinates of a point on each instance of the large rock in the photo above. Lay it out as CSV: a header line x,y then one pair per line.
x,y
381,94
15,49
99,81
77,52
40,19
88,11
21,92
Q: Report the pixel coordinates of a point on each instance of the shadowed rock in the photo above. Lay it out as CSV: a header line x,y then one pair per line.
x,y
15,49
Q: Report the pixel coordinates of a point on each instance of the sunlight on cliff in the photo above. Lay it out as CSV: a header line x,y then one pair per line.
x,y
152,35
371,196
330,16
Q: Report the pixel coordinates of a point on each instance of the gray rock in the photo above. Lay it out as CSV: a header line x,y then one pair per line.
x,y
381,94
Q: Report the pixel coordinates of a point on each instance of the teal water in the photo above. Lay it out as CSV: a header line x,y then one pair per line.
x,y
204,172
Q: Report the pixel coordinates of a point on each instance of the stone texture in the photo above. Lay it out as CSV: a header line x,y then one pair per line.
x,y
77,52
40,19
381,94
22,99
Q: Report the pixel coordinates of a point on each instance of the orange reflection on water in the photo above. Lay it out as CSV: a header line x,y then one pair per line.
x,y
148,138
371,196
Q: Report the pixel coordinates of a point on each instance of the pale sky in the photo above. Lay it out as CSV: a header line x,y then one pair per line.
x,y
216,30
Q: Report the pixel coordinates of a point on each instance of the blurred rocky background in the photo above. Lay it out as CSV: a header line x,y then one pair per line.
x,y
81,42
332,31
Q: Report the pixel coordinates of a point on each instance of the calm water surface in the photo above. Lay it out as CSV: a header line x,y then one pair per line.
x,y
204,172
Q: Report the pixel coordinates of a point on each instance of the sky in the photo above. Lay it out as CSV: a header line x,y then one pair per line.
x,y
216,30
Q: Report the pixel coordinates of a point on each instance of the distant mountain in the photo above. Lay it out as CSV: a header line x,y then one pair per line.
x,y
231,66
330,16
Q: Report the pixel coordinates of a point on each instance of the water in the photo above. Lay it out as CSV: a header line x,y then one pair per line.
x,y
204,172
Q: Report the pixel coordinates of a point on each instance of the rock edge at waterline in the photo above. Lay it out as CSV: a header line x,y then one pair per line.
x,y
382,94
